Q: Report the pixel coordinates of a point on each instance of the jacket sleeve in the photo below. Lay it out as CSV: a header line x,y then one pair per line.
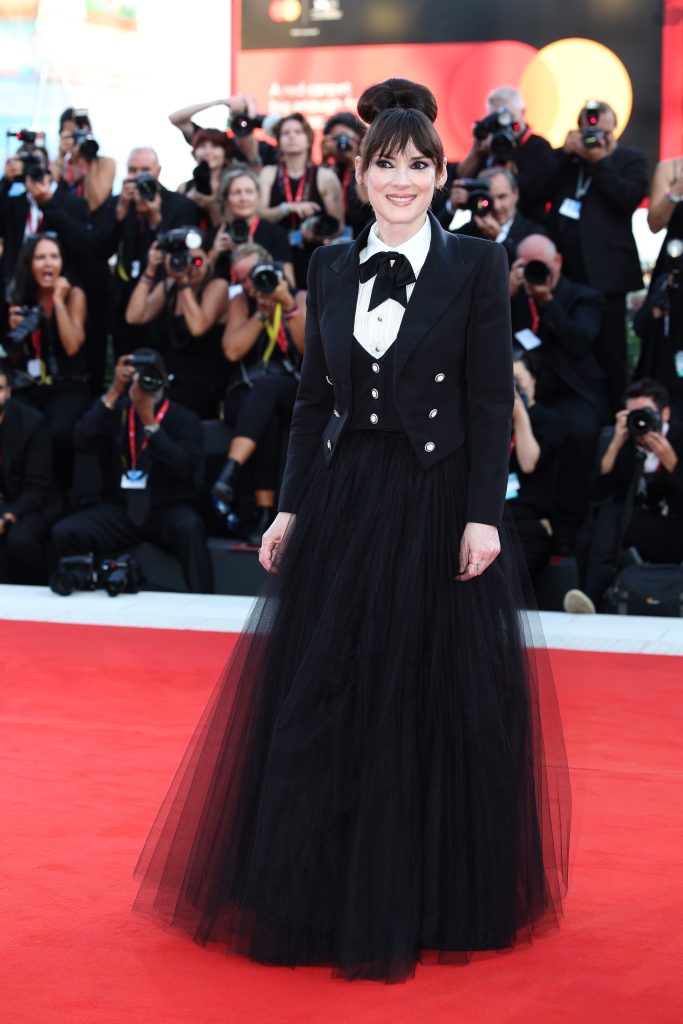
x,y
575,330
179,456
313,404
490,393
36,474
95,425
623,183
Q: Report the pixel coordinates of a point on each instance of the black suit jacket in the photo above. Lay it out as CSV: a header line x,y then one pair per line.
x,y
521,228
569,327
25,460
452,353
619,183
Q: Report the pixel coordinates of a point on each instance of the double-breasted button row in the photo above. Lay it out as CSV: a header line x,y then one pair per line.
x,y
430,446
432,413
375,393
374,418
440,377
375,367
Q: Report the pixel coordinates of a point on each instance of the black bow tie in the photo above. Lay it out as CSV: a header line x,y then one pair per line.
x,y
394,273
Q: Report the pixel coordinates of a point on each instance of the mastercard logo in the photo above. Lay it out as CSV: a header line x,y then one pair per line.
x,y
284,10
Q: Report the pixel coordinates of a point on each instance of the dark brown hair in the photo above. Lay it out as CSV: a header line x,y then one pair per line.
x,y
215,136
399,112
308,131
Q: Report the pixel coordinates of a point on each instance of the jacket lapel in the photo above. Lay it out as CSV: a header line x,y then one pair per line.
x,y
341,292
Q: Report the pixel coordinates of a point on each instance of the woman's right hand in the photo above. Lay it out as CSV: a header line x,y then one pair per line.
x,y
271,549
155,258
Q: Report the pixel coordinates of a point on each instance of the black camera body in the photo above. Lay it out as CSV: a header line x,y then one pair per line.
x,y
86,143
344,143
147,185
201,177
238,231
150,377
479,200
178,242
18,341
642,421
33,167
503,129
23,135
321,225
79,572
592,137
265,277
242,125
536,272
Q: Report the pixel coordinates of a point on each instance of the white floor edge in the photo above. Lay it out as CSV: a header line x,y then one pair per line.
x,y
214,613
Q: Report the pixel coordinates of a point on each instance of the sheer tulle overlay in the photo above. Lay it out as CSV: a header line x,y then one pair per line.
x,y
380,775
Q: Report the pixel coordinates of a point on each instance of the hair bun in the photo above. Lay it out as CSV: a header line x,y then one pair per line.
x,y
396,92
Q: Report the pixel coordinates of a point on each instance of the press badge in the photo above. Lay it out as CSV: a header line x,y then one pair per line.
x,y
294,237
571,208
527,339
513,487
33,369
134,480
678,361
135,268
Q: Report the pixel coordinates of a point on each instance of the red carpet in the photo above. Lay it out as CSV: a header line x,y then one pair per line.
x,y
84,772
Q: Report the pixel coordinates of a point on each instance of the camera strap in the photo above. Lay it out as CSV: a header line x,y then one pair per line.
x,y
135,455
275,331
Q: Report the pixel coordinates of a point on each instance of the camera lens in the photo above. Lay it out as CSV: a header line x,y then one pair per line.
x,y
536,272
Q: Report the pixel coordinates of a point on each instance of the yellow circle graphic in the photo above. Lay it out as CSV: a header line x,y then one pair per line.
x,y
563,75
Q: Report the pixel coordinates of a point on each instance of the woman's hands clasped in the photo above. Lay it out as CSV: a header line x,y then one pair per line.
x,y
479,547
272,540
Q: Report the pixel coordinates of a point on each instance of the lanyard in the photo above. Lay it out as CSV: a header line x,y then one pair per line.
x,y
535,318
254,226
583,183
302,189
345,182
134,456
275,330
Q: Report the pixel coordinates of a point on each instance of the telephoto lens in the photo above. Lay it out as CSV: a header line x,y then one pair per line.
x,y
536,272
642,421
265,277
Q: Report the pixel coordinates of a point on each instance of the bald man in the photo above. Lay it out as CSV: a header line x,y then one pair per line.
x,y
127,226
558,322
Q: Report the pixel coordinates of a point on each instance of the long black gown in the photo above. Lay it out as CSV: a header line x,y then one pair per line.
x,y
380,772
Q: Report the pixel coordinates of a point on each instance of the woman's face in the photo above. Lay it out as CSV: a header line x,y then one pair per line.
x,y
293,138
242,199
212,154
400,187
46,264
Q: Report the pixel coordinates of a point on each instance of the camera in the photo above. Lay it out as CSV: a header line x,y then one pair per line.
x,y
79,572
344,143
479,200
265,277
33,167
591,135
321,225
239,231
150,377
642,421
86,143
536,272
201,176
147,185
178,243
24,135
242,125
503,129
18,341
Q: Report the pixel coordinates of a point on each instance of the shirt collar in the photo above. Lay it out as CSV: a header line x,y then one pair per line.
x,y
416,249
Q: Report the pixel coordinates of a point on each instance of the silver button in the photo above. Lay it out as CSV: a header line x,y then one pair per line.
x,y
328,380
429,447
329,446
374,418
375,393
375,367
439,377
432,413
338,414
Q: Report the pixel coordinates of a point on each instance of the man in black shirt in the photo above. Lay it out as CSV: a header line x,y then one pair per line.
x,y
150,451
596,186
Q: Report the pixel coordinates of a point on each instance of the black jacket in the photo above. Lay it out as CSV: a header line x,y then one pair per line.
x,y
569,327
602,235
26,481
452,354
615,485
173,458
520,228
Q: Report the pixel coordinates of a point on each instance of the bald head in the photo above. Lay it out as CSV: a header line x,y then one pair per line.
x,y
542,248
143,160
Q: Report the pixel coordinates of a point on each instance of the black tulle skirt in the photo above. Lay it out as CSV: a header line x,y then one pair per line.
x,y
380,774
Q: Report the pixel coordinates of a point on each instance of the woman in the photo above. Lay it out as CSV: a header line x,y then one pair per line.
x,y
210,148
50,370
90,178
239,197
186,308
296,190
263,339
378,781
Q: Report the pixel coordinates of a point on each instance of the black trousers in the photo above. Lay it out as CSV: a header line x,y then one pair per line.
x,y
656,538
610,348
105,529
62,404
263,413
536,542
23,551
576,463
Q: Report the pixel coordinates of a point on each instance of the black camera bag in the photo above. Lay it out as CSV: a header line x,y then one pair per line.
x,y
646,589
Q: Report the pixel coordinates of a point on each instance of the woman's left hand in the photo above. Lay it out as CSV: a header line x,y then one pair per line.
x,y
479,547
62,289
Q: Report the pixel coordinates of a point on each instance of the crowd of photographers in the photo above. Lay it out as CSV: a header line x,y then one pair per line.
x,y
130,318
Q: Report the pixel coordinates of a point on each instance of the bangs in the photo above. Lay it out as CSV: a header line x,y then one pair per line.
x,y
395,130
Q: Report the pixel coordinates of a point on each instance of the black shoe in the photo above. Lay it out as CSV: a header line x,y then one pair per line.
x,y
224,487
265,514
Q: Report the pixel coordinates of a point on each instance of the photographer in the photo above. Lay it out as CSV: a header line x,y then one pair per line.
x,y
503,138
499,219
264,339
127,228
641,484
240,203
46,344
79,168
243,146
595,189
185,309
28,502
305,199
342,135
211,149
537,438
659,324
150,450
558,322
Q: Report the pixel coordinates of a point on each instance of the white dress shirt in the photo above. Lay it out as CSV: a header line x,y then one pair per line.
x,y
376,330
